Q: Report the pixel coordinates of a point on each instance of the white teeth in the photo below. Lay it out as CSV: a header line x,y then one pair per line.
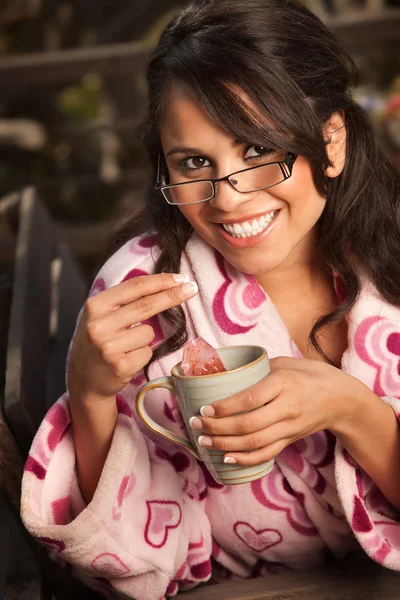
x,y
247,228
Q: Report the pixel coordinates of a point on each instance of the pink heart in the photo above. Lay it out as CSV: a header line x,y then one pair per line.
x,y
55,545
163,515
258,540
109,564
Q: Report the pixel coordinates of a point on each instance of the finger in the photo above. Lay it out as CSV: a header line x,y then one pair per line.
x,y
284,362
128,340
146,307
257,457
129,291
253,397
250,442
127,365
242,424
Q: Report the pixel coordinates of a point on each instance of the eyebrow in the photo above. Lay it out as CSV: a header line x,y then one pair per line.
x,y
184,150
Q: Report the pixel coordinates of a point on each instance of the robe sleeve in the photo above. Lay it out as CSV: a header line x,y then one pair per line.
x,y
145,533
374,521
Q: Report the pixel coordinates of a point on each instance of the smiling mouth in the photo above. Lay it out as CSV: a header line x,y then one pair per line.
x,y
252,227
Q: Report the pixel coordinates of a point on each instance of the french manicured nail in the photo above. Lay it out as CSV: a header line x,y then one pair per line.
x,y
204,440
180,277
230,460
195,423
190,288
207,411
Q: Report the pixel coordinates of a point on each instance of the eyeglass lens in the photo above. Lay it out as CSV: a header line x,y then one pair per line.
x,y
247,181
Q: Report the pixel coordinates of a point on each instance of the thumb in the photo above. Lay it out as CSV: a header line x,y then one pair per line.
x,y
283,362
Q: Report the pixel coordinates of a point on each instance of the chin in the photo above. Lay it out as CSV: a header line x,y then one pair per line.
x,y
255,263
250,268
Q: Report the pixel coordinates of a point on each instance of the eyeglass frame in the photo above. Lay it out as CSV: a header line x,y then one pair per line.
x,y
285,165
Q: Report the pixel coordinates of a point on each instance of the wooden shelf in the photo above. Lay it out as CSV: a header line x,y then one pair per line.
x,y
360,30
357,30
68,65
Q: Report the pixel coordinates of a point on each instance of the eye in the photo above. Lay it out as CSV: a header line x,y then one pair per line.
x,y
195,162
257,151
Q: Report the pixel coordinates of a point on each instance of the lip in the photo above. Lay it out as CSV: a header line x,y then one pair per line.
x,y
253,240
243,219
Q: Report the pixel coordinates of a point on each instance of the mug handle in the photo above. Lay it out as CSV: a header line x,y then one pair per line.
x,y
164,382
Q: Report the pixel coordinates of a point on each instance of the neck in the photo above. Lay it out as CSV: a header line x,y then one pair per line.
x,y
302,291
302,295
301,276
303,279
298,277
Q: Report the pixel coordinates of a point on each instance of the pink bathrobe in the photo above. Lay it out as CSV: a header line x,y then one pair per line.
x,y
157,518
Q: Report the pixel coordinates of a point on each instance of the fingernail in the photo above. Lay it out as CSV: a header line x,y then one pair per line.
x,y
195,423
180,277
230,460
190,288
204,440
207,411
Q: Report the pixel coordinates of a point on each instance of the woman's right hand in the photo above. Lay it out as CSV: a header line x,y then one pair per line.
x,y
107,351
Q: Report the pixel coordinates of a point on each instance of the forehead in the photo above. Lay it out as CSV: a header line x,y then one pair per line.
x,y
183,115
182,108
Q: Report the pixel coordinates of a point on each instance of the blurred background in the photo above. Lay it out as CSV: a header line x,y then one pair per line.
x,y
72,95
73,92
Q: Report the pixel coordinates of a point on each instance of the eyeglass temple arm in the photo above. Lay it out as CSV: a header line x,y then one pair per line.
x,y
289,161
161,179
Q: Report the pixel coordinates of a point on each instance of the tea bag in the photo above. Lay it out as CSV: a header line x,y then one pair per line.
x,y
199,358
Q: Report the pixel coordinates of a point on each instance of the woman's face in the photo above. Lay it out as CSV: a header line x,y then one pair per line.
x,y
196,147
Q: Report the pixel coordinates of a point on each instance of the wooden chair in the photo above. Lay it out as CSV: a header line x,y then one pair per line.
x,y
20,575
27,379
28,338
68,296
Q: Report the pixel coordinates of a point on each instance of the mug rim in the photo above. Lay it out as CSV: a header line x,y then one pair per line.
x,y
253,362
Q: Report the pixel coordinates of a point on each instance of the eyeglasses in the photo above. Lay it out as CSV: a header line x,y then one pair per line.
x,y
253,179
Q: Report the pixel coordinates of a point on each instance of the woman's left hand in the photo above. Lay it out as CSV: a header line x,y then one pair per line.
x,y
298,398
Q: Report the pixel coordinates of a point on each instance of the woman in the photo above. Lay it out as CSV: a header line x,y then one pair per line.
x,y
283,231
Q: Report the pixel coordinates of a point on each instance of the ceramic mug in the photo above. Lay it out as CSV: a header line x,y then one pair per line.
x,y
246,366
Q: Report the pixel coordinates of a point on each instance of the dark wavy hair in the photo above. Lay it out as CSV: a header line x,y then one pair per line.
x,y
297,75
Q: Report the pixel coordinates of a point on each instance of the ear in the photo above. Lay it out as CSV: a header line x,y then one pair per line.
x,y
334,132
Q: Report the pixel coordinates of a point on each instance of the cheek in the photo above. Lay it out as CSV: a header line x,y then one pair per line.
x,y
193,214
301,195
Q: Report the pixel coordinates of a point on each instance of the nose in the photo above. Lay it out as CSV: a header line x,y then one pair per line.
x,y
227,198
